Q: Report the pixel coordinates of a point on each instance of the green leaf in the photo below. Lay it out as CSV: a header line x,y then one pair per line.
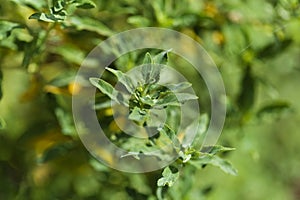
x,y
147,67
138,115
179,86
184,97
70,53
84,4
166,130
88,24
272,108
216,149
108,90
49,17
201,129
274,49
6,28
168,178
66,122
124,79
58,6
161,58
56,151
214,160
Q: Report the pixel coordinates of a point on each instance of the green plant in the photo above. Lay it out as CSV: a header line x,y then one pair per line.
x,y
146,97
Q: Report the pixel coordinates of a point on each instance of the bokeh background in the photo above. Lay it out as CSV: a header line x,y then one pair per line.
x,y
254,43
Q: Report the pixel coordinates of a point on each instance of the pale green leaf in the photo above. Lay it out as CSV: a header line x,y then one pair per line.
x,y
124,79
214,160
108,90
168,178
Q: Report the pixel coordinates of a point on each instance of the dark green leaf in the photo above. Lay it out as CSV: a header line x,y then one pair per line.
x,y
56,151
216,149
58,6
168,178
34,4
274,49
123,78
274,107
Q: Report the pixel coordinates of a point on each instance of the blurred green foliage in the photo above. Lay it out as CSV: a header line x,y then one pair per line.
x,y
255,44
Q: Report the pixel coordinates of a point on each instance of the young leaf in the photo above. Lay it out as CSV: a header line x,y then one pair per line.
x,y
169,178
214,160
124,79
